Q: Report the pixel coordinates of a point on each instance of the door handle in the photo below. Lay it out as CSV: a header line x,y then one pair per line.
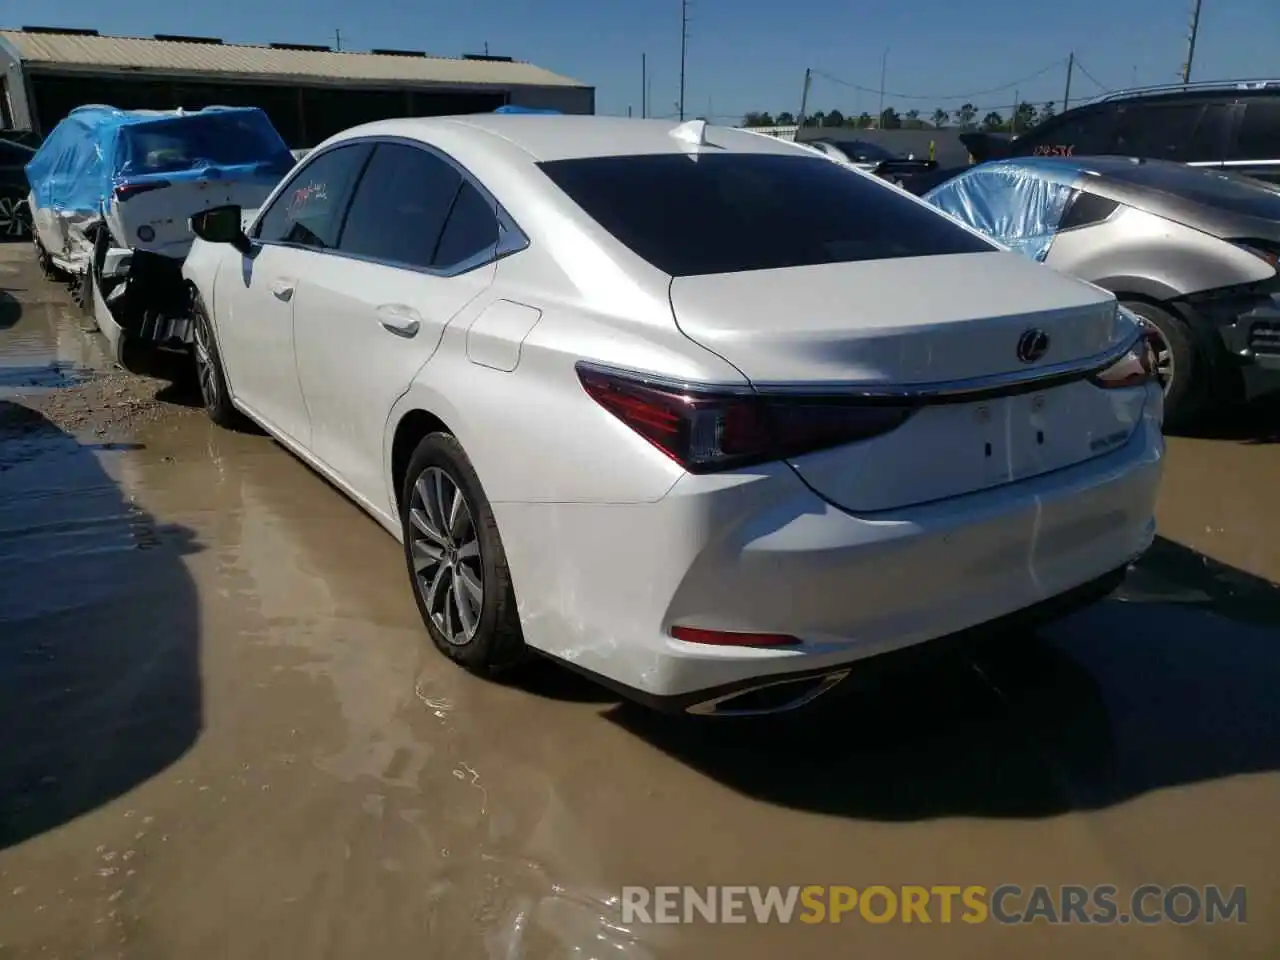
x,y
398,319
282,289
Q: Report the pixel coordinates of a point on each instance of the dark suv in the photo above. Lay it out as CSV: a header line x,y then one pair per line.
x,y
1233,125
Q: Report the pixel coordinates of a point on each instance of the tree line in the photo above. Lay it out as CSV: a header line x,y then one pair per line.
x,y
965,117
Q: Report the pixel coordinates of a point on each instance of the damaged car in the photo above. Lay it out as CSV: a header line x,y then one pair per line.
x,y
112,194
1193,252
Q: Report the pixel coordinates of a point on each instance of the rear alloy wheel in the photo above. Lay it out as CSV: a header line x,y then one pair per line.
x,y
456,561
209,375
1179,361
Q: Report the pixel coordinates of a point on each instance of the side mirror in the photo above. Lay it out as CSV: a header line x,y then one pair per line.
x,y
221,225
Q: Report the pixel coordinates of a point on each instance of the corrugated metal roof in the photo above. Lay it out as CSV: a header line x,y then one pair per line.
x,y
144,53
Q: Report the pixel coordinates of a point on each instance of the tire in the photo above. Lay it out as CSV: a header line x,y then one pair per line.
x,y
211,380
1185,361
482,636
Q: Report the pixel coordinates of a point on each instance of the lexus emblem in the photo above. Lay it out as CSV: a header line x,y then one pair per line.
x,y
1032,345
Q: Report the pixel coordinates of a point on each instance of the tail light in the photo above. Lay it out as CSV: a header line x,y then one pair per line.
x,y
126,190
1135,368
706,429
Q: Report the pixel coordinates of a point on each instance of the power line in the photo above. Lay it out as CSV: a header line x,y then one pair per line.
x,y
1091,78
1011,85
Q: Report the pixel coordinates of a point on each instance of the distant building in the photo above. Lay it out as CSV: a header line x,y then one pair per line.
x,y
310,92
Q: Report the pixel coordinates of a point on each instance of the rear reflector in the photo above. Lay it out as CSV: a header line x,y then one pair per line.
x,y
706,429
723,638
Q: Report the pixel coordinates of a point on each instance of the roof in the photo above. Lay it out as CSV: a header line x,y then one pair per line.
x,y
78,50
566,137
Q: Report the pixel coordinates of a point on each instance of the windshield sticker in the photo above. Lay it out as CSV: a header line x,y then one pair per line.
x,y
304,197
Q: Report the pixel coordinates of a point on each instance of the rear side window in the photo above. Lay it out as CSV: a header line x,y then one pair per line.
x,y
1259,136
472,229
401,206
727,213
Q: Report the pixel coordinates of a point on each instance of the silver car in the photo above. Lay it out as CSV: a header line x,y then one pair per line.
x,y
1191,251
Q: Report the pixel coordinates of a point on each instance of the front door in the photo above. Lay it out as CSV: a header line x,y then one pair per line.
x,y
256,304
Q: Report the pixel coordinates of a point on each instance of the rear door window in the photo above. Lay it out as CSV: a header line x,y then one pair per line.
x,y
1161,131
1259,134
401,206
308,212
732,212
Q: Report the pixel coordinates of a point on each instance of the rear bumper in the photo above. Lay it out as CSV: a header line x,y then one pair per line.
x,y
760,552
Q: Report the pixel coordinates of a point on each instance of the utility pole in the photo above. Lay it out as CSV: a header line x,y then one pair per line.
x,y
884,65
1066,95
1013,117
684,46
644,85
337,39
804,100
1191,42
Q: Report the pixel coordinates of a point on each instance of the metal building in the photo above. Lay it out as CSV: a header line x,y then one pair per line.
x,y
310,92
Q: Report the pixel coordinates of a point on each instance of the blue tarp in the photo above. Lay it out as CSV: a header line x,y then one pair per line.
x,y
95,149
515,109
1017,202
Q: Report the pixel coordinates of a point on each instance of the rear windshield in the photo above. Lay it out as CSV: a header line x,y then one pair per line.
x,y
733,212
1212,188
183,143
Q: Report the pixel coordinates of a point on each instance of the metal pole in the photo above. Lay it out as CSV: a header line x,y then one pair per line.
x,y
1191,42
1013,117
684,38
804,100
644,85
1066,95
884,65
337,39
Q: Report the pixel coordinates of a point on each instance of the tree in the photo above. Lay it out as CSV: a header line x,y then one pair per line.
x,y
815,119
757,119
1047,111
1024,118
785,119
966,114
865,121
912,120
993,121
940,117
833,119
889,120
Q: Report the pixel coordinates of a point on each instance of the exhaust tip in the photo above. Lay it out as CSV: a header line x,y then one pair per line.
x,y
775,696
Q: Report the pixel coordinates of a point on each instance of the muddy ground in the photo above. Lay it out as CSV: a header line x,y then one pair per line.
x,y
224,734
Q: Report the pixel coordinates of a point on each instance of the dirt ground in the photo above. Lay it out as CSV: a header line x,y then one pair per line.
x,y
225,734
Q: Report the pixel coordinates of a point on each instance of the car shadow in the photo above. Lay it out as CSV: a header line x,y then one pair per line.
x,y
99,633
1171,681
1254,423
10,309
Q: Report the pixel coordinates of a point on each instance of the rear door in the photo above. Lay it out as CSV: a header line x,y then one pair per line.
x,y
1255,145
418,246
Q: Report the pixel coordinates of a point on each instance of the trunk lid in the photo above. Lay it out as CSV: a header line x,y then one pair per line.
x,y
914,322
904,321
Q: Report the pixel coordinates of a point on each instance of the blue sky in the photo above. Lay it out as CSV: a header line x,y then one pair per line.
x,y
751,54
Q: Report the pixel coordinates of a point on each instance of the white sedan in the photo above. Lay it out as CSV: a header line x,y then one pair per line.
x,y
694,411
